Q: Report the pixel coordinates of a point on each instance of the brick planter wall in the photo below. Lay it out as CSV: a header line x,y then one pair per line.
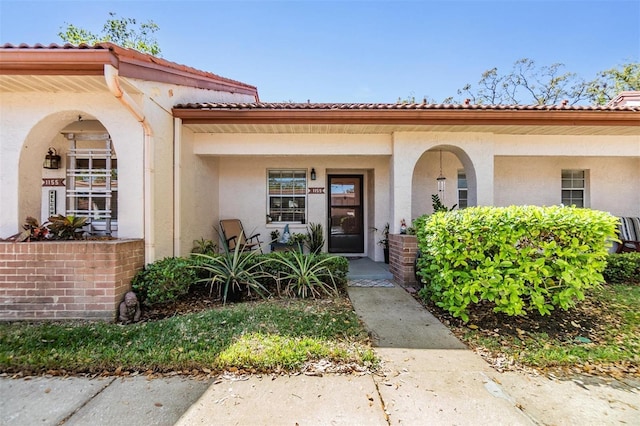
x,y
402,255
56,280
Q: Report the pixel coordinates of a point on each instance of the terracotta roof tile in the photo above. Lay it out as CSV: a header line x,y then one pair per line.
x,y
394,106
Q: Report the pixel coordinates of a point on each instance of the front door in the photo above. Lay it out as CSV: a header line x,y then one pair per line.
x,y
346,215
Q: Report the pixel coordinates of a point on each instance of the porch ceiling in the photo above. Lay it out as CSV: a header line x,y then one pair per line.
x,y
388,129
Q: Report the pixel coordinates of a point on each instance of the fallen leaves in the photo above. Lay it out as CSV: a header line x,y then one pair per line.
x,y
597,324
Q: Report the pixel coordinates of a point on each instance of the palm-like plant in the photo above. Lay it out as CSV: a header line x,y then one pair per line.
x,y
315,238
66,227
233,272
204,246
306,275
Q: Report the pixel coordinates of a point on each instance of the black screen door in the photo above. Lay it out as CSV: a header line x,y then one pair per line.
x,y
346,222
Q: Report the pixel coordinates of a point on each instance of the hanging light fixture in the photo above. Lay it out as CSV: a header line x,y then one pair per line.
x,y
442,181
52,159
313,174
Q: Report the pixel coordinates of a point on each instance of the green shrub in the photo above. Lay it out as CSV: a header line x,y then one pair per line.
x,y
233,273
337,267
305,275
164,280
622,268
519,258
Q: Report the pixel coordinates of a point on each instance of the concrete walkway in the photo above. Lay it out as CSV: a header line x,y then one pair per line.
x,y
428,378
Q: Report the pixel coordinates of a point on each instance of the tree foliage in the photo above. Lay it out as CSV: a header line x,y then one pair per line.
x,y
125,32
528,83
611,82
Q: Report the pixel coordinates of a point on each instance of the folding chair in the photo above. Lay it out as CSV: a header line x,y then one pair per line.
x,y
629,230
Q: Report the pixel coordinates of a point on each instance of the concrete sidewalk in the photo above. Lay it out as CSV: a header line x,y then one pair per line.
x,y
101,401
428,377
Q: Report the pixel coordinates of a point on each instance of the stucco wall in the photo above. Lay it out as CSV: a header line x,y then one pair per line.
x,y
474,151
198,192
157,104
613,183
30,123
424,182
292,144
243,186
403,167
509,169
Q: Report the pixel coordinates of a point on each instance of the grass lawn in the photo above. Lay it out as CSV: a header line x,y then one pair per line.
x,y
601,336
264,336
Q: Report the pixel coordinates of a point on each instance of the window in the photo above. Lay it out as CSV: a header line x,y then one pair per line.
x,y
92,182
287,196
462,189
574,188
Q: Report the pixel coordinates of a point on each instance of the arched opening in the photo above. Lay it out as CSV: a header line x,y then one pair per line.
x,y
84,184
447,171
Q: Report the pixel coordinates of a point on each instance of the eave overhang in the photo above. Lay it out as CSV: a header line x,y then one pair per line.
x,y
86,60
55,61
393,116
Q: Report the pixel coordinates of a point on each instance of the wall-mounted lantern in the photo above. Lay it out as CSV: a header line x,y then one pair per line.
x,y
52,159
313,174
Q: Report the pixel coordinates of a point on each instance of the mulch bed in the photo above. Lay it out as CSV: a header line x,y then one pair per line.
x,y
197,300
586,323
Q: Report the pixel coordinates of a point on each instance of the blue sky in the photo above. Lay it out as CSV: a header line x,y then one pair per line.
x,y
357,51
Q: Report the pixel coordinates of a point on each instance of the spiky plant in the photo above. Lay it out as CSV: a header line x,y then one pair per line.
x,y
315,238
306,275
233,272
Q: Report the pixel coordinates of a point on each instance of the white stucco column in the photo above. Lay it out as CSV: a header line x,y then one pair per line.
x,y
479,164
474,150
406,152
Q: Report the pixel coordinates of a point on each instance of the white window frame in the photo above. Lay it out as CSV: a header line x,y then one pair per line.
x,y
574,187
463,188
287,204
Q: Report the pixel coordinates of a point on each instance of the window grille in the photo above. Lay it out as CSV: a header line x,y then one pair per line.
x,y
574,188
92,181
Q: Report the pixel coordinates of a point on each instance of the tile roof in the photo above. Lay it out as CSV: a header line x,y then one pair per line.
x,y
395,106
399,114
126,55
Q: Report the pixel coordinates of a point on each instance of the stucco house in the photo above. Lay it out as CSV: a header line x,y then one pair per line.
x,y
153,150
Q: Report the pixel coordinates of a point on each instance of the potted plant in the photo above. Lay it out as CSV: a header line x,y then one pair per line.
x,y
315,238
204,246
384,241
297,240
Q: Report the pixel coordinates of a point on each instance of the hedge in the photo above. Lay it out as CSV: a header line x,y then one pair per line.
x,y
518,258
622,268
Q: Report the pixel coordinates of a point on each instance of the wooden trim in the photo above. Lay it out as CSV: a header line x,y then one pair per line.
x,y
410,117
149,71
55,61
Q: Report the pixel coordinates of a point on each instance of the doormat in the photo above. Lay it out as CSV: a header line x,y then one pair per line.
x,y
371,283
